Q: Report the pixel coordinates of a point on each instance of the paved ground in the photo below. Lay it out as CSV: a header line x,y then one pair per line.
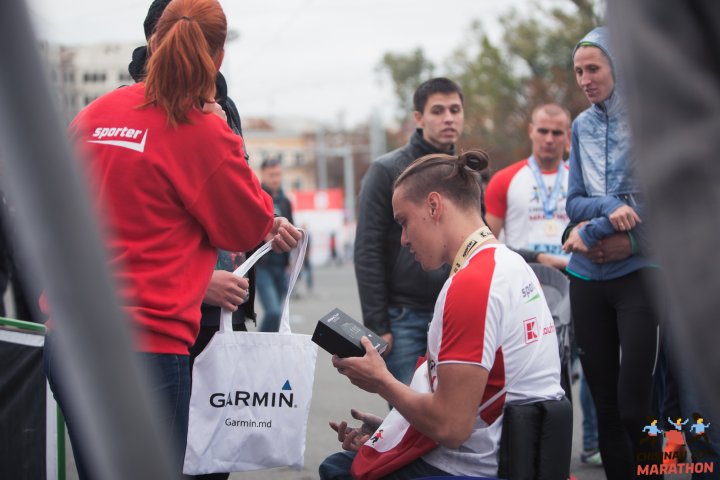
x,y
333,395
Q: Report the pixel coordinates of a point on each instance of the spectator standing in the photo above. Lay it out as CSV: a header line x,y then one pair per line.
x,y
397,297
271,270
611,301
526,200
165,174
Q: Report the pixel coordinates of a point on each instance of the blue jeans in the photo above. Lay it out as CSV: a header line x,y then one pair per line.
x,y
169,377
170,384
337,467
409,330
271,284
589,422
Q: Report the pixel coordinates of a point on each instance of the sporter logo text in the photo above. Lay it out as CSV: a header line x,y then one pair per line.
x,y
124,137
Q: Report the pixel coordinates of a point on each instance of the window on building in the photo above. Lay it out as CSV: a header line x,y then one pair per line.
x,y
299,159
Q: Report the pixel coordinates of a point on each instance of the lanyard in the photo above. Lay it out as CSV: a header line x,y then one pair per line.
x,y
471,243
549,199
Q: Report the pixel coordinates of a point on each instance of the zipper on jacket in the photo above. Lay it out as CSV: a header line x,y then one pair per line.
x,y
607,144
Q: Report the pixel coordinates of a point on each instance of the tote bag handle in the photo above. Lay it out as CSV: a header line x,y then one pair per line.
x,y
241,271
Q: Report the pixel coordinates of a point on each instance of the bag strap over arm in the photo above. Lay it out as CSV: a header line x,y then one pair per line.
x,y
241,271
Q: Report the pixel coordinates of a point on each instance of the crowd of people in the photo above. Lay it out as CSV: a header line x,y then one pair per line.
x,y
445,275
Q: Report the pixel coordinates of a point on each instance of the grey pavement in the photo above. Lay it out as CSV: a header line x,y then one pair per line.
x,y
333,395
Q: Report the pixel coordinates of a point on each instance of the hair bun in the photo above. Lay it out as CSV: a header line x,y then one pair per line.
x,y
475,160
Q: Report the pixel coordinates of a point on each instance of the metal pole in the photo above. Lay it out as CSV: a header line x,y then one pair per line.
x,y
321,159
55,224
349,177
378,145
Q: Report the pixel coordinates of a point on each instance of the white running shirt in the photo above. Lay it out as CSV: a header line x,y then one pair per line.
x,y
493,313
513,195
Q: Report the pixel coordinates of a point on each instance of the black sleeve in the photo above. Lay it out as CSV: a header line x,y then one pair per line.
x,y
371,270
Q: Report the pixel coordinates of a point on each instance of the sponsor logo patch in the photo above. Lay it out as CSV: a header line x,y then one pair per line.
x,y
124,137
531,330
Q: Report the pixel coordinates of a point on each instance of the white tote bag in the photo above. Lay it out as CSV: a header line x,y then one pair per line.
x,y
251,394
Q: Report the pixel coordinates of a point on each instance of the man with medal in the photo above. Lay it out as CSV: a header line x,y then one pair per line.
x,y
526,200
490,344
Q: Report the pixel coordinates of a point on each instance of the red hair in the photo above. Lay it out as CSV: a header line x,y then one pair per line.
x,y
188,42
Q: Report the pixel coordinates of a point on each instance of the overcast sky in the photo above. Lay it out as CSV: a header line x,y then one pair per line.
x,y
313,58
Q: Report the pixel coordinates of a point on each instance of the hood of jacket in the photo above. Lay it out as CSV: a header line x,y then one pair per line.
x,y
603,133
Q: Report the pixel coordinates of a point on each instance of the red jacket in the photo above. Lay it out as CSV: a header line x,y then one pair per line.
x,y
168,198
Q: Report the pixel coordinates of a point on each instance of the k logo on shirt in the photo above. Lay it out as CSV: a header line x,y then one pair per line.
x,y
531,330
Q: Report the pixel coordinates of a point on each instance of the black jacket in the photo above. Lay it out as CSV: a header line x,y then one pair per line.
x,y
283,208
387,274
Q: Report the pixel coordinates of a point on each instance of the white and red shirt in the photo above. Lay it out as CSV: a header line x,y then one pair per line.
x,y
168,199
493,313
513,195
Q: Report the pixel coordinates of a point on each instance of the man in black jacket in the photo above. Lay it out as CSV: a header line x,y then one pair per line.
x,y
396,295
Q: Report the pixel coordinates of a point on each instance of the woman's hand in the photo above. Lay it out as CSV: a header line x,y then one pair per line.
x,y
285,235
214,107
227,290
624,218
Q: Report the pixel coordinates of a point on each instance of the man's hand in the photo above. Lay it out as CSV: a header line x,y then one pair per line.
x,y
552,261
213,107
367,372
624,218
284,235
227,290
611,249
352,438
574,243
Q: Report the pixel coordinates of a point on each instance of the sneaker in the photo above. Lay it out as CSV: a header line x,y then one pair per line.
x,y
591,457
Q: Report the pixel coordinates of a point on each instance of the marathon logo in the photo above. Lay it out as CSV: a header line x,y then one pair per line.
x,y
120,137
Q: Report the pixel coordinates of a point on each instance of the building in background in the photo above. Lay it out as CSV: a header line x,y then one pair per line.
x,y
291,140
80,74
323,163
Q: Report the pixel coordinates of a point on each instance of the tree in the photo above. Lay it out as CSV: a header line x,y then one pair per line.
x,y
406,71
503,82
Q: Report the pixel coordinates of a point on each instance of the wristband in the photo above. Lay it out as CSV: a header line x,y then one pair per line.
x,y
566,232
633,244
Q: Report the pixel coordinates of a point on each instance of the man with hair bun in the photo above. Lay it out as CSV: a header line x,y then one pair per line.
x,y
491,341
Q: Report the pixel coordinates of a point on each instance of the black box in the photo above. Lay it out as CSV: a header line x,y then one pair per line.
x,y
339,334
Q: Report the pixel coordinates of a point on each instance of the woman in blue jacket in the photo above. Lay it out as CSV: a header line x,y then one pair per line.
x,y
611,301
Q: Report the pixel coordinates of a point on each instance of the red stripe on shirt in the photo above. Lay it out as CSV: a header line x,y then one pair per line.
x,y
497,189
465,309
495,383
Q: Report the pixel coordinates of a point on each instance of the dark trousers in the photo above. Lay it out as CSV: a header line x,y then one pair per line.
x,y
169,377
204,336
610,317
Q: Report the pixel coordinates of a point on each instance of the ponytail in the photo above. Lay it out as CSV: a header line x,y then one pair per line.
x,y
181,71
457,177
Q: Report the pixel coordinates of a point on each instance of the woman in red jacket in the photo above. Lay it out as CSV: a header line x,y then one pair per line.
x,y
172,187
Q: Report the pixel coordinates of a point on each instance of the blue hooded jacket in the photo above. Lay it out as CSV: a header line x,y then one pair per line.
x,y
601,174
